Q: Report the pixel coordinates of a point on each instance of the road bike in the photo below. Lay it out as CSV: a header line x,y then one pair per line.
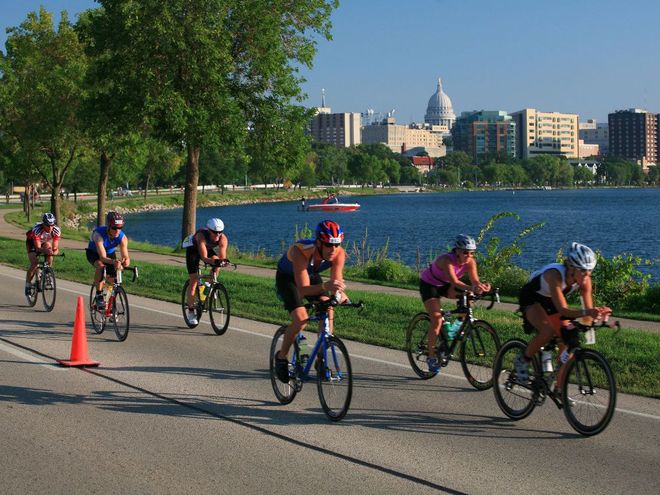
x,y
587,392
211,296
116,309
329,357
476,341
43,281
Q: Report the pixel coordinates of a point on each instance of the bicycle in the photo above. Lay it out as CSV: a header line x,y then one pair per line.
x,y
587,393
116,309
44,282
334,378
476,340
213,298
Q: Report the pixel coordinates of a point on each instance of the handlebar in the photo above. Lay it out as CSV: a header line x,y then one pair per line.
x,y
596,324
322,306
468,296
221,264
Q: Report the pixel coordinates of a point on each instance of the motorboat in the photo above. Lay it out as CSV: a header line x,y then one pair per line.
x,y
334,207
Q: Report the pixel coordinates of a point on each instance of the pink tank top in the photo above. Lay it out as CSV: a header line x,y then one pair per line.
x,y
434,275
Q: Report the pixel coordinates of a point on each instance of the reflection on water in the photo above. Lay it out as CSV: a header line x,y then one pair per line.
x,y
611,220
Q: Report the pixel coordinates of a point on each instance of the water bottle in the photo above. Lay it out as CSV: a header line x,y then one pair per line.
x,y
446,327
203,291
546,357
108,293
304,349
454,328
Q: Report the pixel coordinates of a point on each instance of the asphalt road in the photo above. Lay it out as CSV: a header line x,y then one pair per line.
x,y
174,410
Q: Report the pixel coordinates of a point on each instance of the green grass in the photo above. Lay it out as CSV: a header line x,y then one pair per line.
x,y
632,353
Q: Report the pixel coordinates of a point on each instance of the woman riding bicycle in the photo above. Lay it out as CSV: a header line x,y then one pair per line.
x,y
43,238
544,307
202,245
101,252
442,279
298,276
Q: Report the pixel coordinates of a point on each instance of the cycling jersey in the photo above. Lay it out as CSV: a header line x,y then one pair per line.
x,y
285,265
208,242
434,275
38,232
109,243
537,290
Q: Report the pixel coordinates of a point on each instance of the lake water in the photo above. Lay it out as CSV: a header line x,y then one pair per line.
x,y
613,221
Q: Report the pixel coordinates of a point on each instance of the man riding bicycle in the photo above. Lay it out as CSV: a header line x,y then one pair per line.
x,y
544,307
101,252
202,246
442,279
43,238
298,276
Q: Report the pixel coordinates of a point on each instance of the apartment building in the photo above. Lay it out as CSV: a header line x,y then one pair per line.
x,y
546,133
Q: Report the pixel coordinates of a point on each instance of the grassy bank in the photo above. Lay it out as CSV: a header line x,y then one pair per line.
x,y
633,354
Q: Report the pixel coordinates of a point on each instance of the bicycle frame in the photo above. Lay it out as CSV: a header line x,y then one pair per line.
x,y
465,309
321,343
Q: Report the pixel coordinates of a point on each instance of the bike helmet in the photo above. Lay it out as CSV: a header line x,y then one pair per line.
x,y
215,224
581,256
330,232
114,220
465,242
48,219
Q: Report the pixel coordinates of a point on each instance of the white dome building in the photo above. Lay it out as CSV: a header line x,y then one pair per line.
x,y
439,111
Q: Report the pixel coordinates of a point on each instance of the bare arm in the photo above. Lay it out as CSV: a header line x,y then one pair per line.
x,y
100,249
553,278
123,249
473,275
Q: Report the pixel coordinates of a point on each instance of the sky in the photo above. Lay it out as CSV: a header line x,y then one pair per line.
x,y
589,57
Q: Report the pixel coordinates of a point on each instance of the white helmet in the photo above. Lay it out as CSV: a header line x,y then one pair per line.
x,y
465,242
580,256
215,224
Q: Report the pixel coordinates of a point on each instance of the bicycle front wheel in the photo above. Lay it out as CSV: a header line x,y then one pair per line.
x,y
184,305
478,351
48,289
120,314
219,310
335,380
285,392
514,398
97,316
589,393
417,345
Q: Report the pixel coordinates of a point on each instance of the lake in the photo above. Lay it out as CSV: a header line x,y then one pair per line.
x,y
613,221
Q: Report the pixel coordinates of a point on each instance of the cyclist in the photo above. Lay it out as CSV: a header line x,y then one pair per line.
x,y
442,279
43,238
543,303
298,276
202,245
102,252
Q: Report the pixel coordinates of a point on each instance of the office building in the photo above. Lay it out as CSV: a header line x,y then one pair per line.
x,y
402,138
484,132
546,133
634,136
592,132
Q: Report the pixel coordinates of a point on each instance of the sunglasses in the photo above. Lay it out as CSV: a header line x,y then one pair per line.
x,y
216,231
114,228
331,245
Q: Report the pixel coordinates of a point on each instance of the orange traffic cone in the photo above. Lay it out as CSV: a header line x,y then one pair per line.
x,y
79,355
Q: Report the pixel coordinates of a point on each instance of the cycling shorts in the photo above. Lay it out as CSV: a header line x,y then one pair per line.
x,y
287,291
93,257
428,291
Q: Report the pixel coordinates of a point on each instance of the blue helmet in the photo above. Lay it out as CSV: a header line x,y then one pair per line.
x,y
330,232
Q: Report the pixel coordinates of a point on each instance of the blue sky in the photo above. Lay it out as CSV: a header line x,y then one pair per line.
x,y
577,56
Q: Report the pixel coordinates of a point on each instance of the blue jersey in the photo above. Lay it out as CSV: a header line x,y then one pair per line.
x,y
286,266
109,244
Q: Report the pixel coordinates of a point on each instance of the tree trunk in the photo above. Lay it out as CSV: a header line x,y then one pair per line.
x,y
56,201
146,186
106,161
190,193
26,201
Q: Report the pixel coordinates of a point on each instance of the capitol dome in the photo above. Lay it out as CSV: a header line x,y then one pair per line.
x,y
439,111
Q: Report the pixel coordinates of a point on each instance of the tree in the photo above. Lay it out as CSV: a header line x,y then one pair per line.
x,y
199,71
42,92
583,175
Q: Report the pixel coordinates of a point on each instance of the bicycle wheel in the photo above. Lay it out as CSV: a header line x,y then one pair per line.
x,y
589,393
516,400
120,316
335,380
97,316
184,305
478,351
417,345
285,392
219,310
48,289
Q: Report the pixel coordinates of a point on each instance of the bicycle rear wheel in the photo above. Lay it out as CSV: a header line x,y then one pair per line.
x,y
184,305
478,351
48,289
33,293
335,380
120,314
515,399
97,316
285,392
219,310
417,345
589,393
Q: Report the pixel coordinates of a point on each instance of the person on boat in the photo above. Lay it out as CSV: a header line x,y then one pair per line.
x,y
442,278
298,276
302,203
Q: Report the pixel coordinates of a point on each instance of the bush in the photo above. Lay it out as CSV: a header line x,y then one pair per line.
x,y
617,281
389,270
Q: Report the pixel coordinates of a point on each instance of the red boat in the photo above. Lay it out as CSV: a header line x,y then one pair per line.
x,y
334,207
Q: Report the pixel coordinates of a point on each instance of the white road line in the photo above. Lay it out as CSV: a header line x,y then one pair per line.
x,y
30,358
359,356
